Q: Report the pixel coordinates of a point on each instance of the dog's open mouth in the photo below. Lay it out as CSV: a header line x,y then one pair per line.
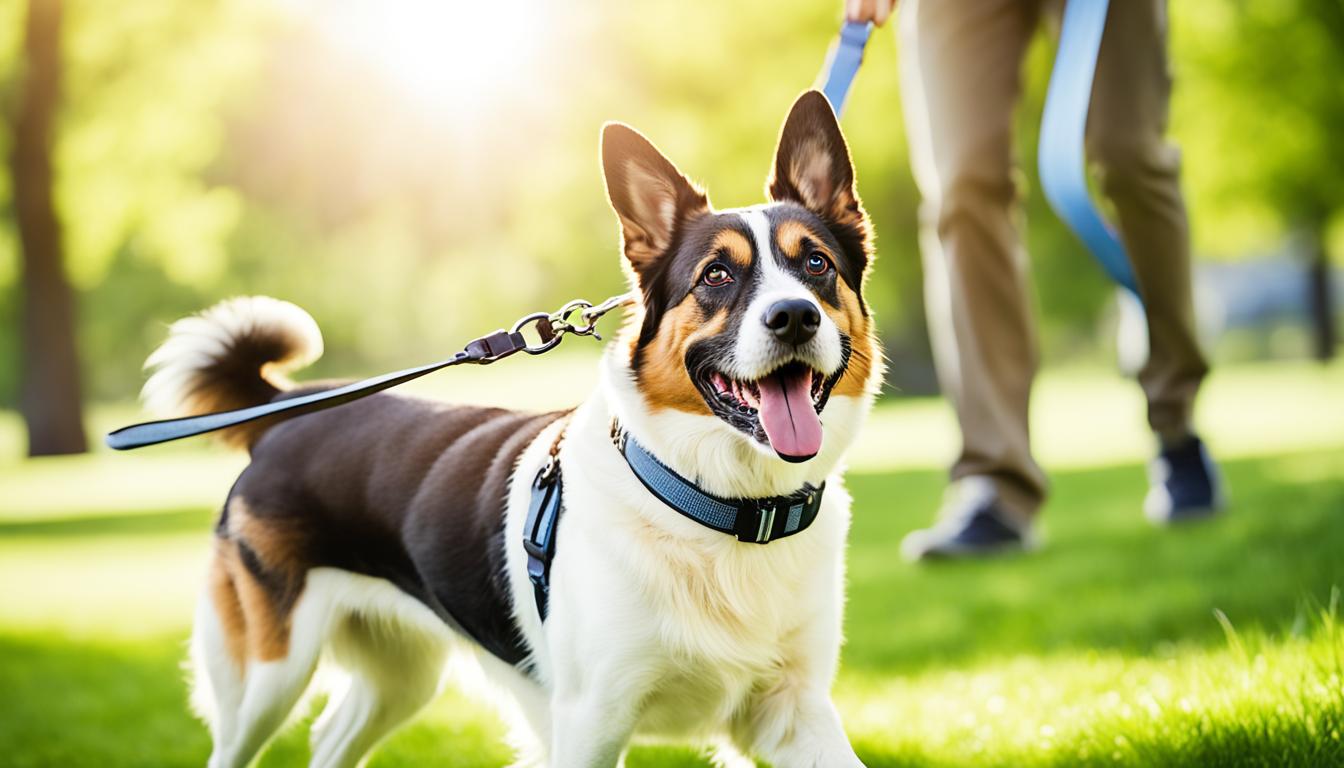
x,y
781,408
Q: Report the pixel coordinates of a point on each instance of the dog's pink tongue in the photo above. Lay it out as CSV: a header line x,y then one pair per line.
x,y
787,414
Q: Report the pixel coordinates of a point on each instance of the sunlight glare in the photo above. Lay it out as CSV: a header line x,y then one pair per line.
x,y
449,55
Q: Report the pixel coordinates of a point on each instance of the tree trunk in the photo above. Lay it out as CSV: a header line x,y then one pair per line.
x,y
1320,296
50,398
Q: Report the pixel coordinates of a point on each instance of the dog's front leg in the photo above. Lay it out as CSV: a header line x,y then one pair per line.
x,y
591,730
795,725
791,721
595,705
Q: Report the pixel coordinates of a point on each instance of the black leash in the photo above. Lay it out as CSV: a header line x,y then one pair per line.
x,y
549,328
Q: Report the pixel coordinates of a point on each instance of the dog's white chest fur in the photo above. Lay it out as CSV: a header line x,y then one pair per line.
x,y
716,619
730,627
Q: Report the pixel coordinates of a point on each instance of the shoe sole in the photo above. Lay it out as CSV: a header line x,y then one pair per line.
x,y
1188,515
949,554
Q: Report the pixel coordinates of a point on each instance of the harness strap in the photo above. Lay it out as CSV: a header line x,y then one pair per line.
x,y
543,518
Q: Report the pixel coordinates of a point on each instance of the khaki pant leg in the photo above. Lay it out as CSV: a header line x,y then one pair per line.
x,y
960,79
1141,175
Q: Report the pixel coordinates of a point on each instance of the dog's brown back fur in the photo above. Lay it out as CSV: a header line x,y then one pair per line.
x,y
406,490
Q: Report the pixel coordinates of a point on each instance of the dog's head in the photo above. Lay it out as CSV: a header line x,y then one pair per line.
x,y
755,316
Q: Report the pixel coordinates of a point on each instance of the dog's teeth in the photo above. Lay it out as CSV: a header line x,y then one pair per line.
x,y
752,395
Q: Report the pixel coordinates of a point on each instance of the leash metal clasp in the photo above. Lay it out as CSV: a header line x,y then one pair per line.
x,y
550,327
560,319
594,313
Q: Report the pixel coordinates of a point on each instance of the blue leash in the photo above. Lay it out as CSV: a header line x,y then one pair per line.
x,y
1063,174
842,63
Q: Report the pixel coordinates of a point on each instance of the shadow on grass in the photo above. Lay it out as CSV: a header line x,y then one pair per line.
x,y
1105,580
149,524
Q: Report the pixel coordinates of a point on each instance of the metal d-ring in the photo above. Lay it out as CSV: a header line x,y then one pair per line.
x,y
545,328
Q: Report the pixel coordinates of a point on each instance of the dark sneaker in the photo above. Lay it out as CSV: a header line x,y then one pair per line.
x,y
973,523
1183,484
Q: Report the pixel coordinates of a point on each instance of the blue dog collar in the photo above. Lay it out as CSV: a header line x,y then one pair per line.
x,y
757,521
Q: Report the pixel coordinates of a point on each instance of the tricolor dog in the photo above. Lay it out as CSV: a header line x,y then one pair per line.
x,y
666,560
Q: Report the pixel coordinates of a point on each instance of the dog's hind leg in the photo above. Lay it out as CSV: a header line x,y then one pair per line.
x,y
394,669
217,657
285,636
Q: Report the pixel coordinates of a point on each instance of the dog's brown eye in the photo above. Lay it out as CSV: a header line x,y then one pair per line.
x,y
715,275
817,264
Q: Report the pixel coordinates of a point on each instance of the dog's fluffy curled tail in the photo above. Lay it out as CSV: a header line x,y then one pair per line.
x,y
232,355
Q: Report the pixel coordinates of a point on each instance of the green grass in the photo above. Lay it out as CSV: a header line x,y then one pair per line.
x,y
1119,644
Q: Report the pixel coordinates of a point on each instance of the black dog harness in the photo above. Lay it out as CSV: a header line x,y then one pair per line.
x,y
756,521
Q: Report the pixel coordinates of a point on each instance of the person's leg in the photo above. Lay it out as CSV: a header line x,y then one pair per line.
x,y
1140,172
960,79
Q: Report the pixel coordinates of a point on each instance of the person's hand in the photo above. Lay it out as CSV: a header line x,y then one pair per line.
x,y
876,11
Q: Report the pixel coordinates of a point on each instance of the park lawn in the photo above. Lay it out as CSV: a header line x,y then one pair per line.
x,y
1118,644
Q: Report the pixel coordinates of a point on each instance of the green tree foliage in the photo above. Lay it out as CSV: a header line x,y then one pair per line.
x,y
1270,70
141,127
1261,104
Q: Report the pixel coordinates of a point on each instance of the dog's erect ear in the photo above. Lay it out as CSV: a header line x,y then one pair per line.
x,y
812,165
649,194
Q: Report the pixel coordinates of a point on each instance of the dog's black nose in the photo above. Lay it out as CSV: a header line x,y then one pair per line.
x,y
793,321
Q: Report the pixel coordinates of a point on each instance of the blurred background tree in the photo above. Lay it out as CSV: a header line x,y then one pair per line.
x,y
1265,115
50,400
419,171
